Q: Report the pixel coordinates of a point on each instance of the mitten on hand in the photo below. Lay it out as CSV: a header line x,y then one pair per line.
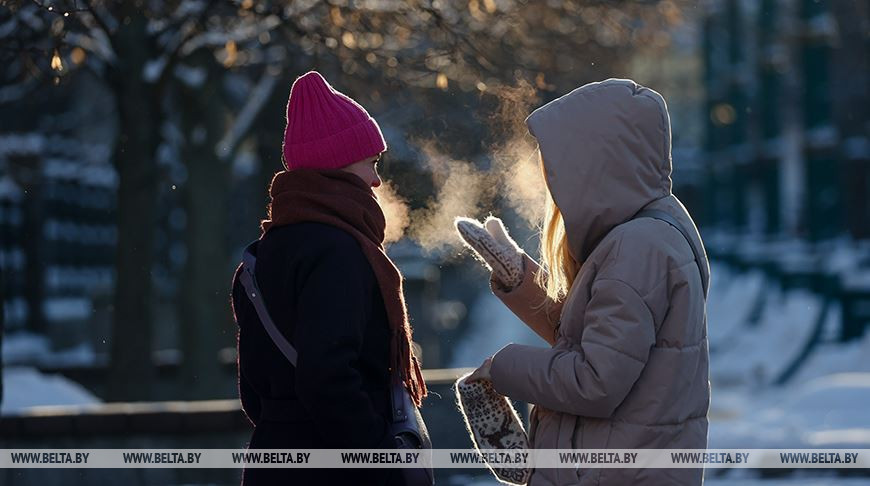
x,y
495,248
493,424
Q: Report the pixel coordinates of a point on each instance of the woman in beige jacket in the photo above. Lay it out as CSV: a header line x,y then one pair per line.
x,y
620,298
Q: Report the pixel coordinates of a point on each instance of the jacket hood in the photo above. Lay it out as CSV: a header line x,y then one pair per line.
x,y
606,150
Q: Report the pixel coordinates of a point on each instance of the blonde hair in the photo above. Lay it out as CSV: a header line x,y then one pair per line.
x,y
560,268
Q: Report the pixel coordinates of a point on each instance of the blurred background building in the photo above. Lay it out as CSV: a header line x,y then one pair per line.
x,y
787,115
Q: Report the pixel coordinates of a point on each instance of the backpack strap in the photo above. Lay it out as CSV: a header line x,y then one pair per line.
x,y
249,281
667,218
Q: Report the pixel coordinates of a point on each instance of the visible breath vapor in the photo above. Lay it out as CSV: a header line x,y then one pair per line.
x,y
395,210
462,189
517,160
515,180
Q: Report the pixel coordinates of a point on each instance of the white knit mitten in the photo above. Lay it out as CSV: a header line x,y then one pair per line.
x,y
493,424
495,248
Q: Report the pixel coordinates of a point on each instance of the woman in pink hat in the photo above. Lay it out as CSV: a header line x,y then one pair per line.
x,y
331,291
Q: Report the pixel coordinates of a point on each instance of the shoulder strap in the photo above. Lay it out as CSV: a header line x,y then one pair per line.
x,y
667,218
401,404
249,281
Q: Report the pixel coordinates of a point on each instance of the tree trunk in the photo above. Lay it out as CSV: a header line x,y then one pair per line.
x,y
132,373
206,326
27,171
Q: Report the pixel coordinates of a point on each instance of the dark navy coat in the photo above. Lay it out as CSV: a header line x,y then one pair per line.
x,y
323,296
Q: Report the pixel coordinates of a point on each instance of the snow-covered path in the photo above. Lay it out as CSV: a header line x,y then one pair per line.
x,y
26,387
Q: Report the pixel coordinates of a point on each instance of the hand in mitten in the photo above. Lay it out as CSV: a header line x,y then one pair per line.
x,y
482,373
495,248
493,424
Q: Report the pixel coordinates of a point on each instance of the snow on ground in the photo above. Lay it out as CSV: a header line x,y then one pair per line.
x,y
747,411
836,357
761,353
733,297
827,412
25,387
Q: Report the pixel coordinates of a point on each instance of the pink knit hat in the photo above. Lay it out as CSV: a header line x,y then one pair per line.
x,y
325,128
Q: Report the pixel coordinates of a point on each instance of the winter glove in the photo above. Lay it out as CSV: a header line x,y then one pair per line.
x,y
493,424
492,245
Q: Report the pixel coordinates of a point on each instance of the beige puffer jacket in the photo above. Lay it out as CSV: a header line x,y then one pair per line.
x,y
629,367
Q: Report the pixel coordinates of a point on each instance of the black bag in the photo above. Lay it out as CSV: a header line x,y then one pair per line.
x,y
406,424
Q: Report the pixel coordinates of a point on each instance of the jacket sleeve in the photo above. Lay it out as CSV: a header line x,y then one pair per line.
x,y
334,309
593,378
250,400
247,395
530,302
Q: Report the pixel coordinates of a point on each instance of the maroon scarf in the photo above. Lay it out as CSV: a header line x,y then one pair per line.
x,y
343,200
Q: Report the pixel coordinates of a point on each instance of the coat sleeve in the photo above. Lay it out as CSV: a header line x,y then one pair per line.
x,y
591,379
250,400
247,395
530,302
334,309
